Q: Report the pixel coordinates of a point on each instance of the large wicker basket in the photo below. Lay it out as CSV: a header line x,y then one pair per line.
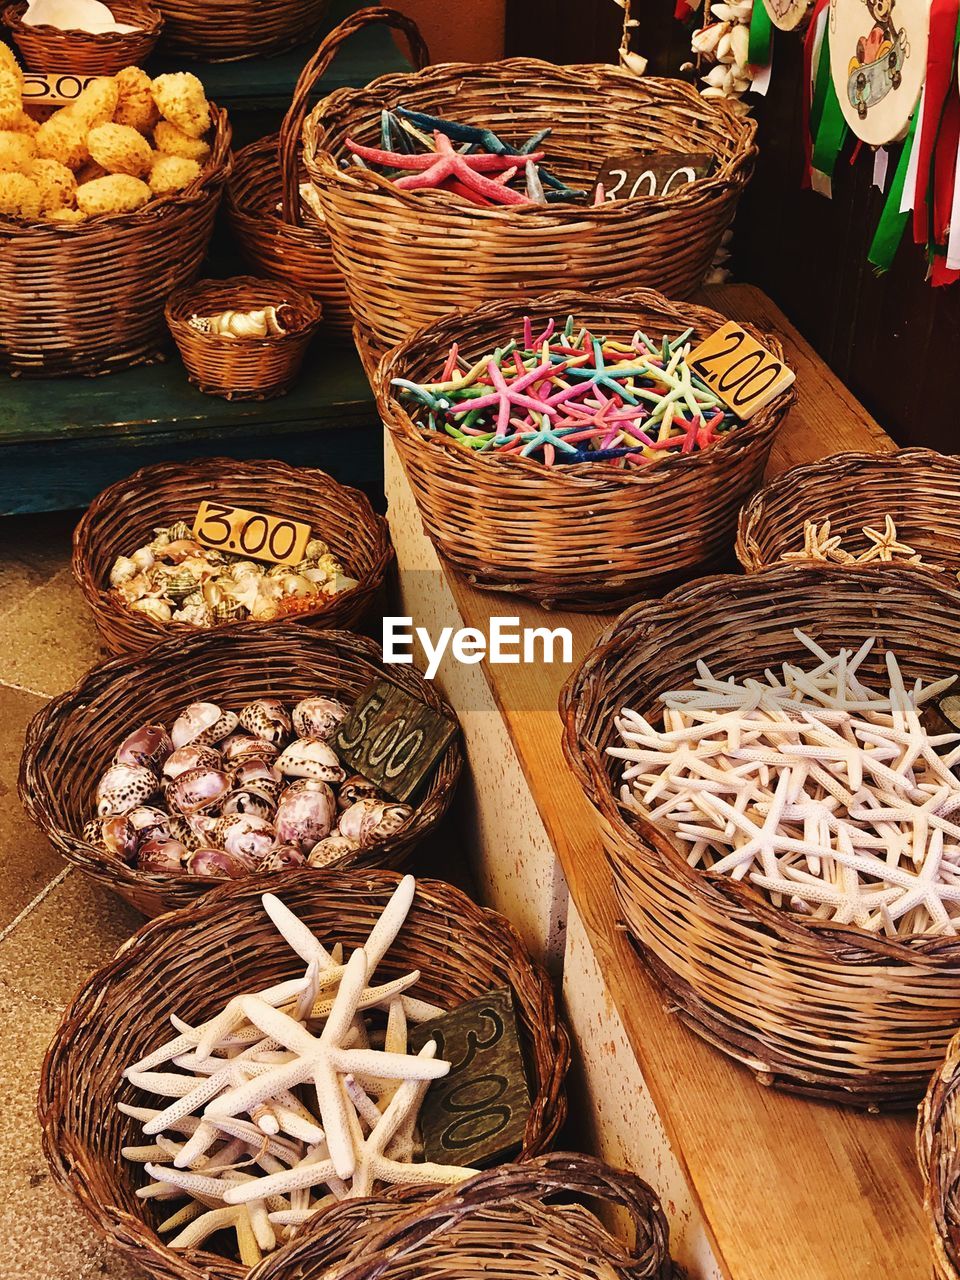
x,y
919,488
87,298
50,49
461,950
533,1218
938,1154
410,257
231,30
588,534
825,1010
124,516
58,781
263,204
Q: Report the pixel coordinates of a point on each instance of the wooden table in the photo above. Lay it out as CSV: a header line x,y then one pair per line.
x,y
759,1185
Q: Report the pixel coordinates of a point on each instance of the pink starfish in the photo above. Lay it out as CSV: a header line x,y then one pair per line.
x,y
446,165
507,395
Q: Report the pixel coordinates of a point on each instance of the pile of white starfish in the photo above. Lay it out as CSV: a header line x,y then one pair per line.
x,y
825,793
241,1141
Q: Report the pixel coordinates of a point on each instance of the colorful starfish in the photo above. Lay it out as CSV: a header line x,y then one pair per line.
x,y
432,171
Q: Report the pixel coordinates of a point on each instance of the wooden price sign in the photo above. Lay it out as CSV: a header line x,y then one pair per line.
x,y
744,374
53,90
477,1113
251,533
641,173
393,739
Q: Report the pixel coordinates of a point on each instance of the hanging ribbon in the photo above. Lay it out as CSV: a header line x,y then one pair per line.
x,y
826,117
893,220
812,48
761,35
936,144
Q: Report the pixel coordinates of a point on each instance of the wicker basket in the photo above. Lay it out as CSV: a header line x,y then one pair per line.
x,y
919,488
938,1154
410,257
241,368
589,534
87,298
50,50
506,1213
232,30
124,516
263,194
461,950
58,782
825,1010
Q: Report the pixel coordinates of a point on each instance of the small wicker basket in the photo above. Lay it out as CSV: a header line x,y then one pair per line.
x,y
124,516
241,368
411,257
51,50
588,534
826,1010
919,488
232,30
58,782
461,950
538,1215
264,210
938,1154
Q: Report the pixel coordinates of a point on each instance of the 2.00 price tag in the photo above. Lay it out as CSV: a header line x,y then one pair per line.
x,y
744,374
251,533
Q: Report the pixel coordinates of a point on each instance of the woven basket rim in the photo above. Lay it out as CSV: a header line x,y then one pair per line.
x,y
585,763
13,17
599,474
741,128
201,289
931,1151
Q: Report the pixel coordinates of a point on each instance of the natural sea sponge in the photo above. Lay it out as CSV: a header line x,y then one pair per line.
x,y
119,148
8,62
57,185
181,99
135,104
64,139
24,123
174,142
19,196
16,151
95,105
11,99
116,193
65,215
172,173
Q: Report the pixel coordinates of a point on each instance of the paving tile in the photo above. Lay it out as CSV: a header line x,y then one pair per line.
x,y
47,644
111,1264
32,550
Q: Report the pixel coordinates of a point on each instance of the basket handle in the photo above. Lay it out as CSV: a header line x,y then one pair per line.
x,y
292,126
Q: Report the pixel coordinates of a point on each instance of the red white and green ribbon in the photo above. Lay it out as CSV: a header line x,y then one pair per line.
x,y
825,128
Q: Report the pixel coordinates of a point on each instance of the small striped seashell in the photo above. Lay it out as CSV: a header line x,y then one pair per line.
x,y
123,570
227,611
180,585
194,598
315,548
179,531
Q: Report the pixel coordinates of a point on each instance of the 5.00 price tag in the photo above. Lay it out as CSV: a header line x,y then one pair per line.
x,y
744,374
250,533
52,90
393,739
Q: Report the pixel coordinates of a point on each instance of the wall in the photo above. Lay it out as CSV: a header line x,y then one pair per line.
x,y
459,30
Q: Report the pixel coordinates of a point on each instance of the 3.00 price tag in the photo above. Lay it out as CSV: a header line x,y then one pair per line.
x,y
744,374
251,533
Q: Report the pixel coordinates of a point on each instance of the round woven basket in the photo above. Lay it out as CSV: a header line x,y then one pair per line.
x,y
461,950
264,209
232,30
51,50
938,1154
241,368
534,1219
588,534
919,488
410,257
826,1010
87,298
58,782
124,516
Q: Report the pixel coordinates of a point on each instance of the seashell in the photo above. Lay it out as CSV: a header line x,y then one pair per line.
x,y
182,830
315,548
244,835
357,788
311,757
331,849
149,823
318,717
198,790
180,549
284,858
239,748
194,600
218,864
161,539
227,611
180,585
161,857
247,569
179,531
202,723
368,821
123,570
158,610
202,824
149,746
306,813
260,775
123,787
196,755
295,584
144,559
267,719
118,836
194,615
250,802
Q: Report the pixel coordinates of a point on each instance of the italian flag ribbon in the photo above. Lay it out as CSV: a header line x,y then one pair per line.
x,y
894,219
825,129
761,36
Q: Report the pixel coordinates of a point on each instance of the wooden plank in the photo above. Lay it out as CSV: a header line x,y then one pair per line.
x,y
787,1187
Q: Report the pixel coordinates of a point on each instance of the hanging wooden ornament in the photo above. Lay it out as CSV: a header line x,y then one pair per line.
x,y
878,54
787,14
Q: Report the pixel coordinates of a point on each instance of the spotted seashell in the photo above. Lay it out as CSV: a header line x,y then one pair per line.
x,y
123,787
217,863
357,788
239,748
180,829
250,802
149,746
196,755
311,758
266,719
368,821
202,723
260,775
198,790
319,717
306,813
332,849
284,858
117,835
202,824
161,857
122,571
149,822
179,530
244,834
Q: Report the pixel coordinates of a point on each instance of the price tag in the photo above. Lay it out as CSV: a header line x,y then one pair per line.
x,y
477,1114
250,533
745,375
393,739
43,90
641,173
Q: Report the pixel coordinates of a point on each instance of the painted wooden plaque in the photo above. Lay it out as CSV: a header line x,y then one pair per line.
x,y
251,533
477,1113
737,368
787,14
645,173
878,58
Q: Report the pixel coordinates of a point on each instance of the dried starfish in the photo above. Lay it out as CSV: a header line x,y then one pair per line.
x,y
885,544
